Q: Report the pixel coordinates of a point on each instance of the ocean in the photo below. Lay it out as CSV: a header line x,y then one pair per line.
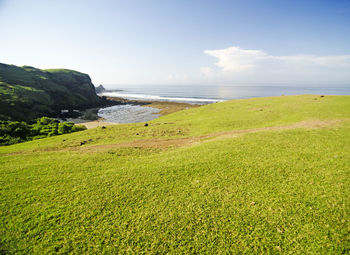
x,y
204,94
197,94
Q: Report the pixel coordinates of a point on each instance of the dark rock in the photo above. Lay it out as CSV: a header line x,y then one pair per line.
x,y
146,125
100,89
103,127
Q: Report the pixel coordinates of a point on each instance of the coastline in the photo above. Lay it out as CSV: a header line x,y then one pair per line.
x,y
165,108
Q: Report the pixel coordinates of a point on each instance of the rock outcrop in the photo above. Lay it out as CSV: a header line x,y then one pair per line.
x,y
100,89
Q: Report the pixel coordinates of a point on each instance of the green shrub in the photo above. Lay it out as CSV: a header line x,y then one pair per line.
x,y
12,132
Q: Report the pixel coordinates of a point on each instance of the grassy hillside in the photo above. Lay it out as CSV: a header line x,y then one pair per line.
x,y
265,175
27,92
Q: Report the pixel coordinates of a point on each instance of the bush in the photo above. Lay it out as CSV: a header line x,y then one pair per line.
x,y
12,132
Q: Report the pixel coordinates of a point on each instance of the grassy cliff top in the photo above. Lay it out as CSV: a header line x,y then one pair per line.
x,y
62,70
263,175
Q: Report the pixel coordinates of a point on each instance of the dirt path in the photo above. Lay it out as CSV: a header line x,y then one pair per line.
x,y
179,142
187,141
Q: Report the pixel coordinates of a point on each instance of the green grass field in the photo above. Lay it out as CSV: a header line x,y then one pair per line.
x,y
264,175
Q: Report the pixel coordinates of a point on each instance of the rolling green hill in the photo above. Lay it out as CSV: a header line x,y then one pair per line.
x,y
264,175
27,92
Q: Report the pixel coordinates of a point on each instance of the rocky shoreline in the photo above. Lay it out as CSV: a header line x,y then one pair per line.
x,y
165,107
90,118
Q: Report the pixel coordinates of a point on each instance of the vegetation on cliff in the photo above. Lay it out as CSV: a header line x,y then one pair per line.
x,y
256,176
27,92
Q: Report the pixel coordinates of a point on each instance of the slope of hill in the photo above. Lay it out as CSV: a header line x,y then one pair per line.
x,y
263,175
27,92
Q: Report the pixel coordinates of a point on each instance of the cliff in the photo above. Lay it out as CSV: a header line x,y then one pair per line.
x,y
27,92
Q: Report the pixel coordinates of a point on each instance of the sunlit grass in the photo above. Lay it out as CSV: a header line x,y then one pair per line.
x,y
281,191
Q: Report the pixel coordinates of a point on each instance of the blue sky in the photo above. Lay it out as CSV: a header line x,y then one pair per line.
x,y
182,41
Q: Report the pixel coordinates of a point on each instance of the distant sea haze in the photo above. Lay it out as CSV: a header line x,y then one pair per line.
x,y
215,93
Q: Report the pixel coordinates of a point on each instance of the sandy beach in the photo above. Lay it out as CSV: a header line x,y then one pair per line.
x,y
96,123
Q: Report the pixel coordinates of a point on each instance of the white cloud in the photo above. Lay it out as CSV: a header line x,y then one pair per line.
x,y
236,59
240,65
